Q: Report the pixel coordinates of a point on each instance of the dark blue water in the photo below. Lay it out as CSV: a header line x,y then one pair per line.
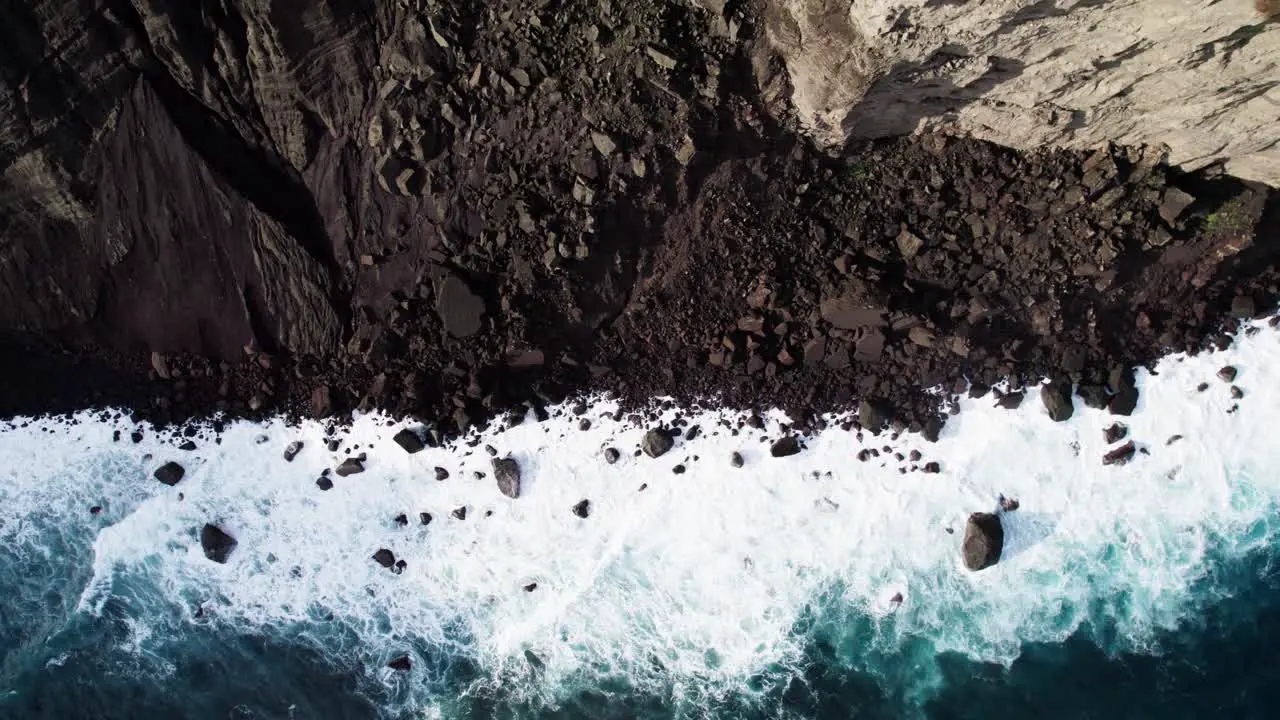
x,y
59,663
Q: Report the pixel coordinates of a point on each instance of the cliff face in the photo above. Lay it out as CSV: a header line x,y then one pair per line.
x,y
455,209
1201,76
163,166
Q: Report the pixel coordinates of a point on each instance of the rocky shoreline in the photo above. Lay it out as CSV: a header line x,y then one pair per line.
x,y
489,209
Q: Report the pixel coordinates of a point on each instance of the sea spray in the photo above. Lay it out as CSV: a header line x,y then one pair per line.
x,y
715,588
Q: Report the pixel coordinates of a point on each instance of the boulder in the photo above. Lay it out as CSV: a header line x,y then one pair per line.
x,y
292,450
409,440
460,513
1243,306
1011,400
983,541
657,442
736,460
424,518
1173,203
442,474
385,558
611,455
324,483
1124,402
401,664
1115,433
1120,455
582,508
216,543
170,473
459,308
1227,373
1056,397
873,415
1094,396
350,466
507,472
785,447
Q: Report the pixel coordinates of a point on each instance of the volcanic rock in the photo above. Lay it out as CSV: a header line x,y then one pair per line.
x,y
408,440
216,543
1011,400
507,473
350,466
787,446
657,442
983,541
1115,433
1056,397
170,473
1094,396
1120,455
459,308
873,415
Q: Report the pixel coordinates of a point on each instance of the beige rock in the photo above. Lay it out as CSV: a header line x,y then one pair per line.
x,y
1197,76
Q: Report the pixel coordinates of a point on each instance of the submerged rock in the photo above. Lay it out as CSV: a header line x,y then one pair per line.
x,y
216,543
507,472
170,473
736,460
983,541
401,664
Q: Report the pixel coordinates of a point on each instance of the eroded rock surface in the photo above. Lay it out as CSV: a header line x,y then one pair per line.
x,y
1199,77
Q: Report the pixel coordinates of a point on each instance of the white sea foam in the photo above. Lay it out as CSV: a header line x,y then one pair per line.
x,y
696,583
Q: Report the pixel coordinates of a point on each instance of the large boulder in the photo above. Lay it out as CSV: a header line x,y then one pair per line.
x,y
1056,397
170,473
217,544
507,472
409,441
787,446
983,541
350,466
657,442
873,414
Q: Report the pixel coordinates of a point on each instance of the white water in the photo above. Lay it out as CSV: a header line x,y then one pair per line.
x,y
694,584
